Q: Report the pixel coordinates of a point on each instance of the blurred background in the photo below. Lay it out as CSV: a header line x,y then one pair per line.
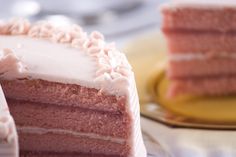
x,y
121,21
118,20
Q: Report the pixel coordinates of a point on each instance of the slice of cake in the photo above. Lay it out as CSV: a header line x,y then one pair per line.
x,y
201,40
8,135
70,93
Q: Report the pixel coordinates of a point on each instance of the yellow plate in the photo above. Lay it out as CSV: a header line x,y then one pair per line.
x,y
143,54
147,56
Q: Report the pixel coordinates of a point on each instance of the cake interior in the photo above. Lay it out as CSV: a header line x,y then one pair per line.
x,y
67,118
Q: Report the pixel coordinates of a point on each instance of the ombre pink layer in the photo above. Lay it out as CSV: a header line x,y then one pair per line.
x,y
222,85
199,18
62,94
201,68
206,42
70,118
59,143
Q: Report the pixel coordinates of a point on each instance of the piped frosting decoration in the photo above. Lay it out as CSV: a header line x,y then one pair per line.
x,y
5,127
10,64
112,65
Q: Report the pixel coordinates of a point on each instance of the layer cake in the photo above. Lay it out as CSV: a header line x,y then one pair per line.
x,y
201,42
70,93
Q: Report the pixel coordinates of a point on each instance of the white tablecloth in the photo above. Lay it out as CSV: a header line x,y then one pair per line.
x,y
179,142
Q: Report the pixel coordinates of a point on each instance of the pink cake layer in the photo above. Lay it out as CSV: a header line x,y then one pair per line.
x,y
70,118
62,94
65,143
203,86
199,18
201,68
182,42
44,154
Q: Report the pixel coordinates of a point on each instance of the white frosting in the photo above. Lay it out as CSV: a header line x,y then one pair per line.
x,y
41,131
59,63
65,55
201,3
200,56
8,136
50,61
136,139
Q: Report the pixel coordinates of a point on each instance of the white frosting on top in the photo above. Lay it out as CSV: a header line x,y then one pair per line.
x,y
65,55
202,3
49,61
8,137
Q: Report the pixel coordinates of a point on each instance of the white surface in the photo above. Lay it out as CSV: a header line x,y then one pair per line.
x,y
177,142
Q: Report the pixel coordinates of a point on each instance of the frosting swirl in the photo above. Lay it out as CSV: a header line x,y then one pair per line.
x,y
9,63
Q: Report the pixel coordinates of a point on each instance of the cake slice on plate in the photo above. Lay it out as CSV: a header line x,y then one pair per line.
x,y
201,40
8,135
70,93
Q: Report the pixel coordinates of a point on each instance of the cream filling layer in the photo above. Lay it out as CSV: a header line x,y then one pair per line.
x,y
198,56
41,131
